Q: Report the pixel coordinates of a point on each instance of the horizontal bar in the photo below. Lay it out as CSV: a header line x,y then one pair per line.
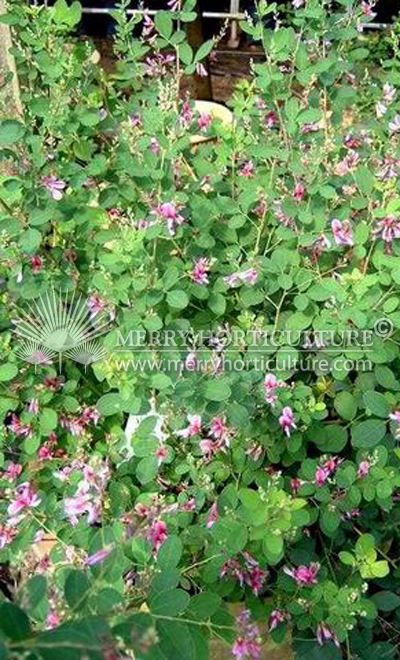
x,y
152,12
208,14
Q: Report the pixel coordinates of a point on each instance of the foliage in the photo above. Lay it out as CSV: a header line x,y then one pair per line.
x,y
272,486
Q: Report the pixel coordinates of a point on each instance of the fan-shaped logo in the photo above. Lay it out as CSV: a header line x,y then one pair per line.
x,y
54,327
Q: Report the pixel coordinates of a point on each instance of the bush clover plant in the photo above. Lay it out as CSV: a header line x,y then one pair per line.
x,y
250,501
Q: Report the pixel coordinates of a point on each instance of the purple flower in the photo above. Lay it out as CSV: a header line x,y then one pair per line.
x,y
213,516
54,186
286,420
167,211
200,271
388,229
201,70
276,618
342,232
154,147
305,576
326,634
247,169
363,469
394,126
99,556
204,121
389,93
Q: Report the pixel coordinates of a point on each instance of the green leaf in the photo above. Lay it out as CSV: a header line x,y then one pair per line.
x,y
217,303
169,603
175,641
345,405
347,558
380,568
217,390
377,404
170,553
48,420
203,606
8,372
368,434
14,623
76,589
364,179
387,601
164,24
30,240
177,299
273,547
204,50
11,131
110,404
147,469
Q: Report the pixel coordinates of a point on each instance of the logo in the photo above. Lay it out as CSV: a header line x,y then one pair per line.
x,y
54,327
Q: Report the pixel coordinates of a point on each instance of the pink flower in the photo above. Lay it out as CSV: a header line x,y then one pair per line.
x,y
295,484
367,10
33,407
44,453
389,93
154,147
136,120
204,121
54,186
326,634
305,576
19,428
167,211
174,5
26,498
321,475
76,506
363,469
186,115
342,232
36,264
276,618
298,3
52,620
248,644
218,427
201,70
161,454
99,556
394,126
380,110
194,427
157,534
247,169
299,192
271,119
7,535
271,384
95,305
213,516
249,276
388,229
395,416
286,420
13,471
200,271
208,448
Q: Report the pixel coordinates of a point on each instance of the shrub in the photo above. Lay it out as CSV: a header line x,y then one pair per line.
x,y
263,466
